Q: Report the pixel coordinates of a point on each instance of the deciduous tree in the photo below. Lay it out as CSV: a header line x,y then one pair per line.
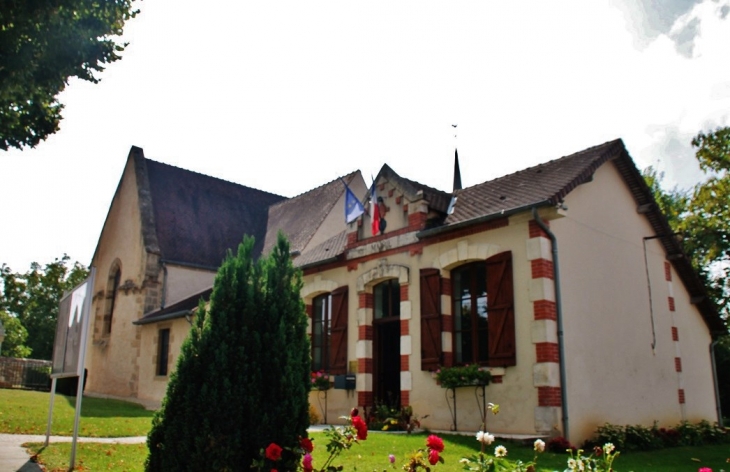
x,y
15,334
42,44
33,298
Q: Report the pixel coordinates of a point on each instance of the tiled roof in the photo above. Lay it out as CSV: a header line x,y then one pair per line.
x,y
300,217
176,310
323,252
548,182
197,218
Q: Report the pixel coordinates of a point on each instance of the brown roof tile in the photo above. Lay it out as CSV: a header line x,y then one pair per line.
x,y
198,218
547,182
324,252
300,217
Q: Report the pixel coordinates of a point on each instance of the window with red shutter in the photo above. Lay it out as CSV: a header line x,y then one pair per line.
x,y
483,312
501,309
329,332
338,332
431,350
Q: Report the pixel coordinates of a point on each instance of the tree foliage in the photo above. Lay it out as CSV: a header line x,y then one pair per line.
x,y
242,377
15,335
702,214
33,297
42,44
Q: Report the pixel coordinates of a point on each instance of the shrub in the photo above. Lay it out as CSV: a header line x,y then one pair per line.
x,y
233,391
613,434
641,438
559,444
634,438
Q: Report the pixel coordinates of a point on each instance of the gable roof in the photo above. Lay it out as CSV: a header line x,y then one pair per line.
x,y
544,184
438,199
194,219
300,217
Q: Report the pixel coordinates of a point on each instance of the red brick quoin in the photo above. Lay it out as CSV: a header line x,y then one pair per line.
x,y
548,396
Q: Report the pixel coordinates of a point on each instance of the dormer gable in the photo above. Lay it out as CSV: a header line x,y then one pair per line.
x,y
403,206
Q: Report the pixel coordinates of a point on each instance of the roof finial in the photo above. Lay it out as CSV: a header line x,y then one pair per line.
x,y
457,172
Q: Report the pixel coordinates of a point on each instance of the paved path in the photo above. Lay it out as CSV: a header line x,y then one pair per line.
x,y
14,458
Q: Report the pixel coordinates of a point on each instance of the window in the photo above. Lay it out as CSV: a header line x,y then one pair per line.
x,y
163,350
321,317
471,319
329,332
483,322
112,288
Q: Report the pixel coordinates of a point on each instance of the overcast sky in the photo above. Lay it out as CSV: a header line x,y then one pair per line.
x,y
288,95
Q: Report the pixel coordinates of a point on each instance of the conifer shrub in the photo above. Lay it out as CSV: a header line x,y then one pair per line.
x,y
242,378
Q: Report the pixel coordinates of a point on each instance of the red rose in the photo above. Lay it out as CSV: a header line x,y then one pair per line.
x,y
361,427
306,444
436,443
433,456
273,452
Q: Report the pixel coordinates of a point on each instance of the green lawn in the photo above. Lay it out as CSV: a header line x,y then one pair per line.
x,y
27,412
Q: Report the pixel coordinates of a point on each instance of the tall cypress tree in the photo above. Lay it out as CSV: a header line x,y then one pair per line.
x,y
242,378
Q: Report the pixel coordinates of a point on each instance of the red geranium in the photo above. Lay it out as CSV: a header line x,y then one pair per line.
x,y
436,443
361,427
273,452
433,456
306,444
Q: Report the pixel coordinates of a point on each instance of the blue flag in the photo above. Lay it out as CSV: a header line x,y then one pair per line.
x,y
353,207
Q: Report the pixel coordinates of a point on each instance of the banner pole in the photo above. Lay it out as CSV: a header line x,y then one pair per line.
x,y
50,410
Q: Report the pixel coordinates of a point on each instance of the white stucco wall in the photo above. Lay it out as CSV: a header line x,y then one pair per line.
x,y
613,373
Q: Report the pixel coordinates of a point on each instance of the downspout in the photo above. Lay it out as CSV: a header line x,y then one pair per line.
x,y
718,406
559,320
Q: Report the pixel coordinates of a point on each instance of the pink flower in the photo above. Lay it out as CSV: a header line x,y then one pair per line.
x,y
705,469
436,443
273,452
433,456
307,462
391,458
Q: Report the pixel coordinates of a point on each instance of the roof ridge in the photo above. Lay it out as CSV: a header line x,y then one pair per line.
x,y
349,176
607,145
212,177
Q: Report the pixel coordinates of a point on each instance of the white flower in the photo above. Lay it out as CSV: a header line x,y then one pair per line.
x,y
572,464
608,448
539,445
464,460
500,451
581,466
485,438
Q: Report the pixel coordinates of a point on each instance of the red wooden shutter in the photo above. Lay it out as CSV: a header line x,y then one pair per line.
x,y
431,351
338,332
501,310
